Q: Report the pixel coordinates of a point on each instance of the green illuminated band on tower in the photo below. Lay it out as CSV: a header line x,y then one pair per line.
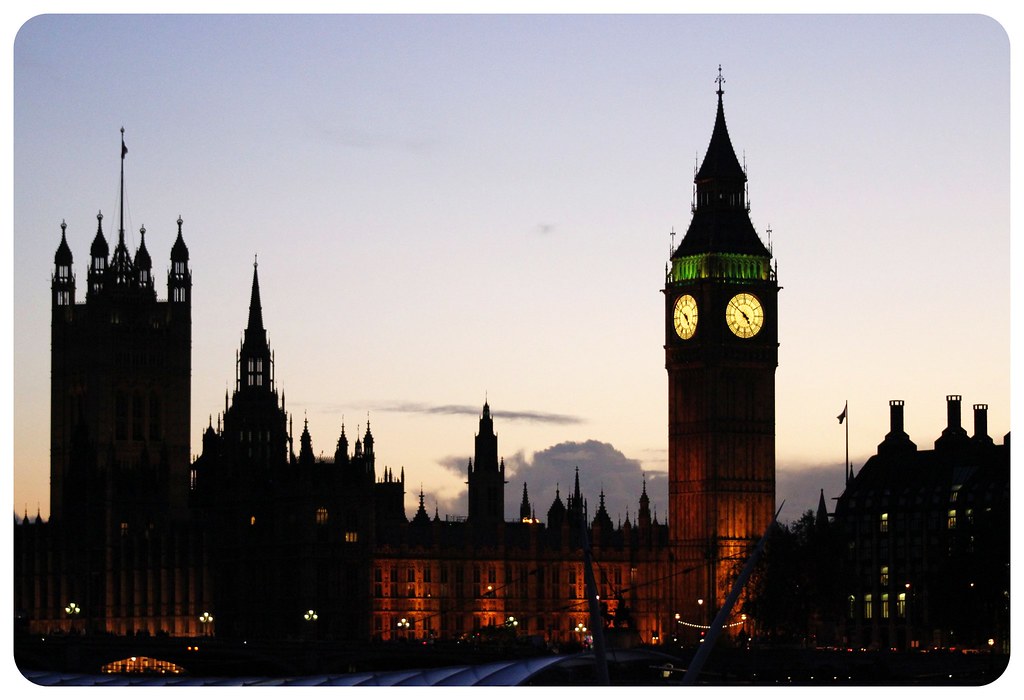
x,y
720,266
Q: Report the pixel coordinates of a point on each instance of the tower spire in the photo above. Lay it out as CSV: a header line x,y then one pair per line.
x,y
255,306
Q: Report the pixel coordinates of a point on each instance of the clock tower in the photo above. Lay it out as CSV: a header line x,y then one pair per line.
x,y
721,351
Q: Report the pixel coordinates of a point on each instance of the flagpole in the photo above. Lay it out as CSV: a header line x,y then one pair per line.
x,y
844,418
120,224
846,465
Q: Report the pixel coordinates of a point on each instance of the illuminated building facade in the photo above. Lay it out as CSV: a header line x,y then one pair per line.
x,y
721,352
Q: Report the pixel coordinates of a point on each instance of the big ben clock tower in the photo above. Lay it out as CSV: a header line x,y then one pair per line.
x,y
721,351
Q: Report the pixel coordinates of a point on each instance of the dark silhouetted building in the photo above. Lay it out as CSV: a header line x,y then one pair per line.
x,y
926,540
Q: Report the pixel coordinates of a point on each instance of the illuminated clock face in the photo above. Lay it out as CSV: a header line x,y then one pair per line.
x,y
685,317
745,315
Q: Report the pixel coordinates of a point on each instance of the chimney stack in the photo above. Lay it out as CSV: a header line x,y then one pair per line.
x,y
897,441
981,423
953,412
895,417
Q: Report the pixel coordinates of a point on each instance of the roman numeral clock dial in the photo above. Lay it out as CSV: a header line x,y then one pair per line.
x,y
685,316
744,315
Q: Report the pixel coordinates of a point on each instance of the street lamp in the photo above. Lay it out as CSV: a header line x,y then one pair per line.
x,y
404,624
700,617
311,617
206,618
581,631
511,622
73,611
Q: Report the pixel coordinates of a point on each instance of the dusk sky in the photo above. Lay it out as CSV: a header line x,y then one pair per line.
x,y
449,209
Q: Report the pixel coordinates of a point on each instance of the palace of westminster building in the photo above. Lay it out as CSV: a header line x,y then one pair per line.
x,y
257,537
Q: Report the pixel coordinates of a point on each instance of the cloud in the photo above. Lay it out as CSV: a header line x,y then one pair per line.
x,y
601,467
466,410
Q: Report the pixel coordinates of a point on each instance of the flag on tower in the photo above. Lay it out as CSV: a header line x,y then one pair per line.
x,y
124,149
842,416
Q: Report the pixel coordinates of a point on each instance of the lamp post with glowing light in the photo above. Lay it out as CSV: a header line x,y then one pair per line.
x,y
403,624
581,631
205,619
311,617
700,619
73,612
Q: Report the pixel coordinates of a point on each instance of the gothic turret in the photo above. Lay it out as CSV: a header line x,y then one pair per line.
x,y
63,282
486,476
179,279
306,457
341,453
525,511
255,373
575,505
556,513
143,264
98,253
421,517
602,520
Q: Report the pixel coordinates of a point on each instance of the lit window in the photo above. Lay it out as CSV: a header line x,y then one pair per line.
x,y
883,522
883,577
885,606
351,536
868,607
901,605
951,520
252,520
321,516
